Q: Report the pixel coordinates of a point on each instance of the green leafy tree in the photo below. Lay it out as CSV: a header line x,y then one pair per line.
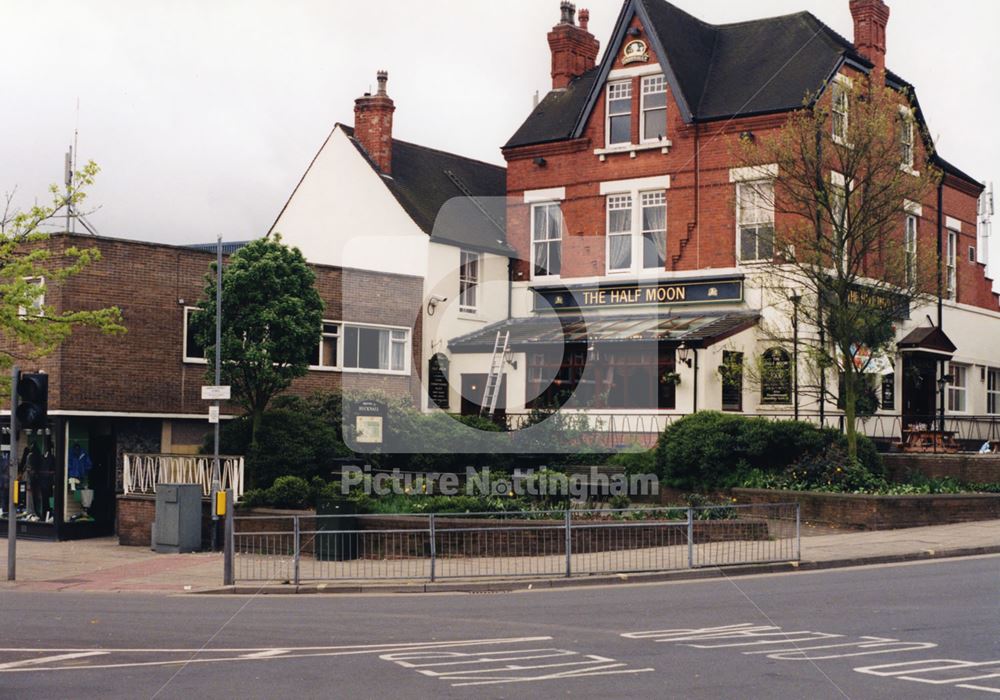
x,y
271,323
849,165
29,266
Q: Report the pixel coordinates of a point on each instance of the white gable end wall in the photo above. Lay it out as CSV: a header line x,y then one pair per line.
x,y
343,214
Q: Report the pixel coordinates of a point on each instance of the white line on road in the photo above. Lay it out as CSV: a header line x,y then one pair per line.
x,y
249,654
12,665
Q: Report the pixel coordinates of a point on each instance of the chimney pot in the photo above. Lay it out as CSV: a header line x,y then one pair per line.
x,y
568,10
383,80
584,19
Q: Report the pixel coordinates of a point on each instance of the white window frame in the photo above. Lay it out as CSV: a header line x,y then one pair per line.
x,y
739,224
910,239
406,341
658,81
958,391
549,241
468,283
336,337
906,140
951,261
636,194
188,310
615,92
619,202
649,200
841,86
992,391
37,308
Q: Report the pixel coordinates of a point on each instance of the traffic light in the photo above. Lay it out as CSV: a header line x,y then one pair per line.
x,y
32,400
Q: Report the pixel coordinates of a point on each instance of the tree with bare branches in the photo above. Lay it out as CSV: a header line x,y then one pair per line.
x,y
849,166
31,327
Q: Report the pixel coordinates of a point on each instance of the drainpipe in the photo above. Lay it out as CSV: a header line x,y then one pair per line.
x,y
695,386
940,290
510,288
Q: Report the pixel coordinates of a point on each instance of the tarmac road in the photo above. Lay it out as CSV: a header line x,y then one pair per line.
x,y
915,631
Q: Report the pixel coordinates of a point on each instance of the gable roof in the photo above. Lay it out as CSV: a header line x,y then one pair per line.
x,y
715,71
453,199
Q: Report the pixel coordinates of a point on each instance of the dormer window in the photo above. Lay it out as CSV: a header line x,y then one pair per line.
x,y
619,126
654,108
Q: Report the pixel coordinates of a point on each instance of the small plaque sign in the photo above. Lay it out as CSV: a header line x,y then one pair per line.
x,y
216,393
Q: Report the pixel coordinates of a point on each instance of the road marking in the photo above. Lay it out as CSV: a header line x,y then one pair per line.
x,y
14,665
746,634
202,656
491,668
954,672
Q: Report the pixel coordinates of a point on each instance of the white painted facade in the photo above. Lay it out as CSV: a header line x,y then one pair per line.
x,y
342,214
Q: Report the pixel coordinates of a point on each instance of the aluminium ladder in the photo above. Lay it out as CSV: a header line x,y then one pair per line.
x,y
491,393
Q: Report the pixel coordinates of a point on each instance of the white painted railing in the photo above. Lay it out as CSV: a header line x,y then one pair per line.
x,y
141,473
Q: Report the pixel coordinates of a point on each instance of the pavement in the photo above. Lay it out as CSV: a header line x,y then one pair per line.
x,y
101,565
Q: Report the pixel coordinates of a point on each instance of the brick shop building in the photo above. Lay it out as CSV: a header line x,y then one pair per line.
x,y
141,392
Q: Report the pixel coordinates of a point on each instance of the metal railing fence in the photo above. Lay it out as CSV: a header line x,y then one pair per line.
x,y
311,548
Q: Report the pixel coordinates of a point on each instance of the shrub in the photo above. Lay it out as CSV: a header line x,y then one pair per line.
x,y
699,452
289,492
709,450
292,441
635,461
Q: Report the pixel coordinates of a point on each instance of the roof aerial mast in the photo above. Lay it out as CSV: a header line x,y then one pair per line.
x,y
72,215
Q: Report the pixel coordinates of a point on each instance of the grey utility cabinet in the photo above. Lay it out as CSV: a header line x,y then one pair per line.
x,y
177,527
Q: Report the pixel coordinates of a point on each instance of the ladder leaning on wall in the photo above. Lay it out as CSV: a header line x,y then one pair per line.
x,y
491,393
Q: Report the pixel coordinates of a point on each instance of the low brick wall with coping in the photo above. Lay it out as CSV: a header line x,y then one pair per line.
x,y
969,468
867,512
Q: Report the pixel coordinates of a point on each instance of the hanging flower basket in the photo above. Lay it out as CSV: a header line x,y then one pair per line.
x,y
670,378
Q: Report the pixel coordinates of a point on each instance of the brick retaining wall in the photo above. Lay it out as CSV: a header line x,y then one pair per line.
x,y
864,512
970,468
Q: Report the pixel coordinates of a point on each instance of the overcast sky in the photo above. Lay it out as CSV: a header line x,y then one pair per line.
x,y
203,114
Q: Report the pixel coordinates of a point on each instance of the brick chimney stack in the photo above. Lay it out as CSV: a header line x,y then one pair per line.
x,y
870,20
373,124
574,49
